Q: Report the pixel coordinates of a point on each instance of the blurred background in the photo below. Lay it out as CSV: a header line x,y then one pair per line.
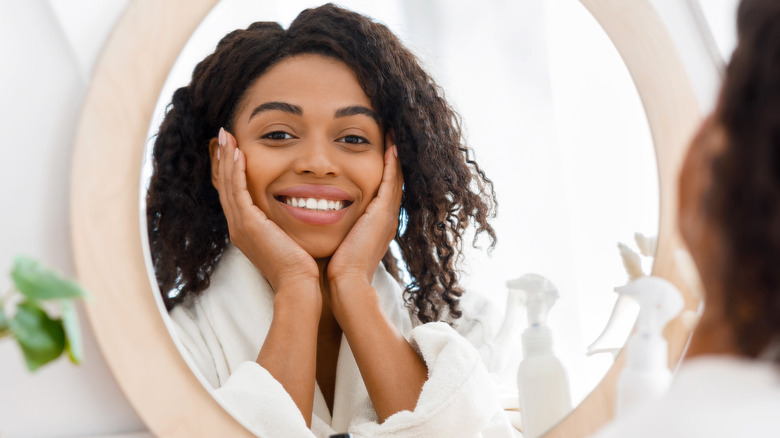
x,y
568,108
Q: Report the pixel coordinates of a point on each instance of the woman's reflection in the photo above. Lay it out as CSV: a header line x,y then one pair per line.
x,y
270,237
729,217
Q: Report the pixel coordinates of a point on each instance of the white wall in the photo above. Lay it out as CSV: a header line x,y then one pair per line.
x,y
49,49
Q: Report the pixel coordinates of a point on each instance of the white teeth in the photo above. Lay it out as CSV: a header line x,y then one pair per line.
x,y
315,204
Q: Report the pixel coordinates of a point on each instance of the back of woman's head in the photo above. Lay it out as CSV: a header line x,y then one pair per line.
x,y
444,189
745,195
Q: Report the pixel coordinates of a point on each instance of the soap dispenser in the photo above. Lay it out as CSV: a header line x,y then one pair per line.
x,y
542,382
646,375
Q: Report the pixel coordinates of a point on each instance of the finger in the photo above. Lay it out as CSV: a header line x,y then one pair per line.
x,y
388,197
226,167
241,197
390,139
399,175
391,187
221,168
389,178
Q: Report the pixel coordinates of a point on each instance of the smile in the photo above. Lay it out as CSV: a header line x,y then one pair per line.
x,y
314,203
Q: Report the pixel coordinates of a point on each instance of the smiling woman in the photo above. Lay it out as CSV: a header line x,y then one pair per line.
x,y
286,303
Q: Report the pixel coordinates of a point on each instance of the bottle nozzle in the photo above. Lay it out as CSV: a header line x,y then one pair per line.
x,y
659,302
537,293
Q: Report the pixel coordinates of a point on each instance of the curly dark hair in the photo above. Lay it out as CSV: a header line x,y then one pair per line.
x,y
445,191
744,199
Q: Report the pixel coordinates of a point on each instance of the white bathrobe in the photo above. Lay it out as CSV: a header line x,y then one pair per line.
x,y
224,329
710,397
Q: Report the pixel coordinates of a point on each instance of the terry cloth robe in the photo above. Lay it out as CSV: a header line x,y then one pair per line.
x,y
711,396
223,330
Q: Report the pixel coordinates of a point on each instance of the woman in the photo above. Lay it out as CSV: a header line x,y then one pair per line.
x,y
279,175
729,217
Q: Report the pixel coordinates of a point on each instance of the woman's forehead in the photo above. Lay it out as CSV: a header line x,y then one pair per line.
x,y
307,81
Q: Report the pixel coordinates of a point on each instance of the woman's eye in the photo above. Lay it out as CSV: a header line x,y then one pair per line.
x,y
277,135
353,139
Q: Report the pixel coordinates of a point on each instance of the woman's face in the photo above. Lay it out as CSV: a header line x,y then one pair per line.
x,y
314,149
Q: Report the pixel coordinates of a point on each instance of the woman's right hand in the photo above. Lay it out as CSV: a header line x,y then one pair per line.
x,y
289,350
278,257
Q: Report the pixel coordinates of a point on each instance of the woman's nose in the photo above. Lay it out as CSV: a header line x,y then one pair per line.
x,y
316,158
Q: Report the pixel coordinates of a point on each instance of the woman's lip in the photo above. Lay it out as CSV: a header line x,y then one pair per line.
x,y
331,193
315,217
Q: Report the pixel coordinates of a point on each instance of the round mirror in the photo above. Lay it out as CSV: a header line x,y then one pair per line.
x,y
572,179
555,121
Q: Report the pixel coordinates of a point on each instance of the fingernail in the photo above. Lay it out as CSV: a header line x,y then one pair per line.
x,y
222,137
218,154
235,155
395,150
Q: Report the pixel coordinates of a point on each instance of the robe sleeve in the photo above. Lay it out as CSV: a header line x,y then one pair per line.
x,y
249,393
260,402
458,399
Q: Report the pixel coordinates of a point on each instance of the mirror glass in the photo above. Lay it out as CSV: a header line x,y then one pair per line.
x,y
555,121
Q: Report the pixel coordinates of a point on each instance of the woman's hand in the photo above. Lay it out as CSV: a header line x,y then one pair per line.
x,y
281,261
393,372
356,259
289,349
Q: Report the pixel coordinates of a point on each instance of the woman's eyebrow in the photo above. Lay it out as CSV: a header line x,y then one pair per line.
x,y
278,106
354,110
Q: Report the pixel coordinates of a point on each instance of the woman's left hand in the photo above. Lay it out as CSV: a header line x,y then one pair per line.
x,y
356,259
393,372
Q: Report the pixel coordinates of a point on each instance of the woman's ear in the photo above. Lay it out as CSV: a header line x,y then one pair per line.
x,y
213,148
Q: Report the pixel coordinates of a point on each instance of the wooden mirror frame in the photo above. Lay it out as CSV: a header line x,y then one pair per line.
x,y
106,228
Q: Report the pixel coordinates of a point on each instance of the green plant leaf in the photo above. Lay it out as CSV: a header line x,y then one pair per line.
x,y
70,322
42,339
37,282
4,330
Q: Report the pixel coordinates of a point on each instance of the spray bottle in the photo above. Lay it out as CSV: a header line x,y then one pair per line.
x,y
542,383
646,375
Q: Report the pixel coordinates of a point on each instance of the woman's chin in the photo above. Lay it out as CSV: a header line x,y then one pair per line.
x,y
319,252
320,244
321,255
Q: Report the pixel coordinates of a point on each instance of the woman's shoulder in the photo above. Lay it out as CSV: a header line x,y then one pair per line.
x,y
235,288
714,396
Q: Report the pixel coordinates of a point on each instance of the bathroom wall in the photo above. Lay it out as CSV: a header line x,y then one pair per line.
x,y
48,51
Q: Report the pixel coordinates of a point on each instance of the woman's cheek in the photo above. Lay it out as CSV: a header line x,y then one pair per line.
x,y
256,187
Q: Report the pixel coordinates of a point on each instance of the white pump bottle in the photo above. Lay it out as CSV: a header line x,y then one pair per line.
x,y
646,375
541,378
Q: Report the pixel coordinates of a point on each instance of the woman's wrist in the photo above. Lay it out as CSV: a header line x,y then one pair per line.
x,y
300,297
352,298
284,279
347,283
